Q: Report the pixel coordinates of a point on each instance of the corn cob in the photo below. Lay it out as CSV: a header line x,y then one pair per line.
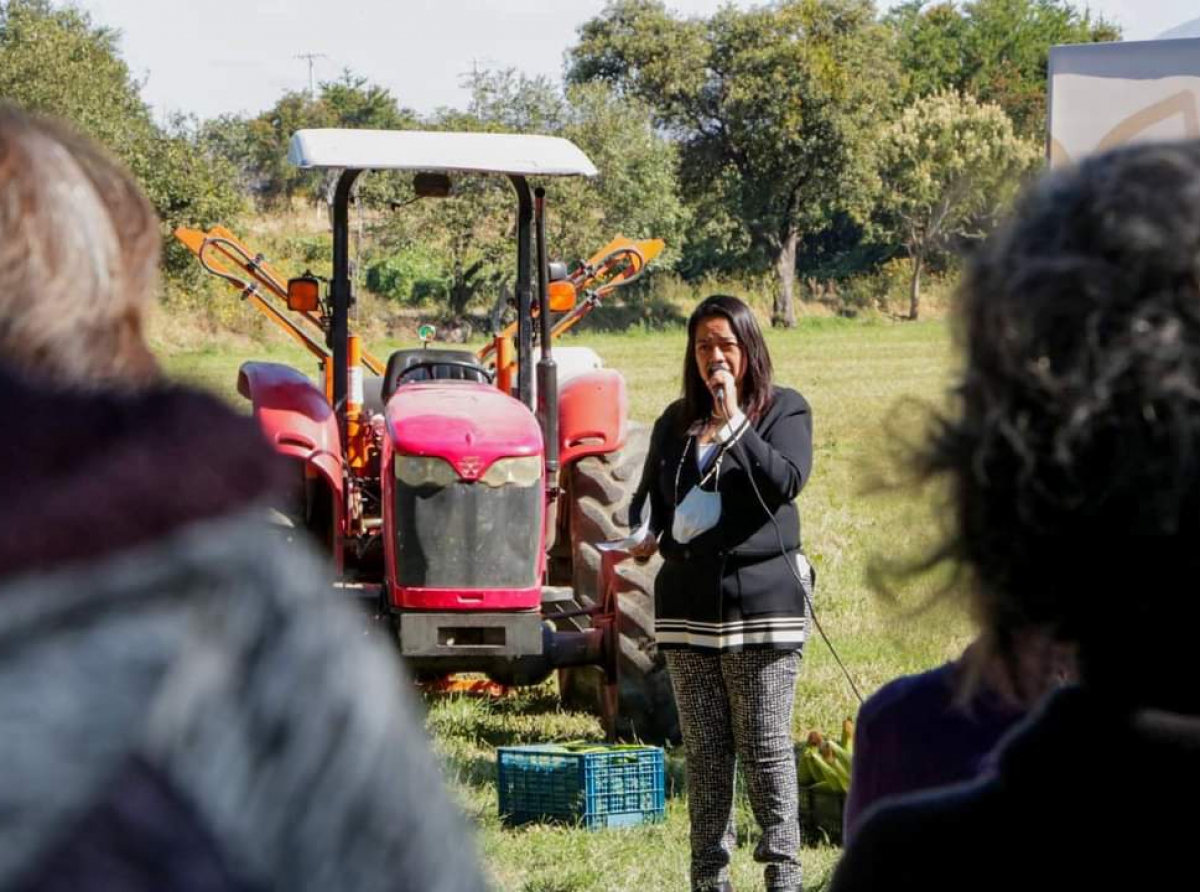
x,y
841,755
804,775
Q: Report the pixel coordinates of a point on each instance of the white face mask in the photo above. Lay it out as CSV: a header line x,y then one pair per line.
x,y
700,509
697,513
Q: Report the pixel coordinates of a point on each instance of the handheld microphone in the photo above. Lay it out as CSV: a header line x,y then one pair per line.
x,y
719,390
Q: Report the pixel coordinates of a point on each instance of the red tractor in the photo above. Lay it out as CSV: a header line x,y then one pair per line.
x,y
465,508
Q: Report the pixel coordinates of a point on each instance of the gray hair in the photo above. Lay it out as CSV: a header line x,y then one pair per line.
x,y
79,251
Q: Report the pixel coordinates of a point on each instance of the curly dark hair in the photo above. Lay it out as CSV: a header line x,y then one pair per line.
x,y
757,381
1073,453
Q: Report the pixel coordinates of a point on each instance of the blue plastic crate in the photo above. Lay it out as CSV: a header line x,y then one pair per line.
x,y
592,785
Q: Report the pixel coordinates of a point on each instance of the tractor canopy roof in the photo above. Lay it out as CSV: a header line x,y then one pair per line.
x,y
502,153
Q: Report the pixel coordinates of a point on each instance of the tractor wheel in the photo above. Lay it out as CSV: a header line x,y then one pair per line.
x,y
600,491
286,517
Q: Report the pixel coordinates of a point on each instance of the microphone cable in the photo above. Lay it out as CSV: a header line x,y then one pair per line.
x,y
791,565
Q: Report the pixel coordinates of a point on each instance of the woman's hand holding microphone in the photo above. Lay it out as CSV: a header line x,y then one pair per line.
x,y
722,386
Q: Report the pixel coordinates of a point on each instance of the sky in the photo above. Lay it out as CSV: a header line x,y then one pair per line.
x,y
238,56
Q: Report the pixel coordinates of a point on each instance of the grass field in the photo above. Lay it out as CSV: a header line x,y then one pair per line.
x,y
854,374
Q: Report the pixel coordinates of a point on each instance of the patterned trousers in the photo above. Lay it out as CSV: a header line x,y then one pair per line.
x,y
738,707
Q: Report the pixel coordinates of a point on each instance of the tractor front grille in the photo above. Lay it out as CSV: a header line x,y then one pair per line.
x,y
468,535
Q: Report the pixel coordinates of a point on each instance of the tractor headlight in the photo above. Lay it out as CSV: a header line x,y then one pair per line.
x,y
417,471
525,471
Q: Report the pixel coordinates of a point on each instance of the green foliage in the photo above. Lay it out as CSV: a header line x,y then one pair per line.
x,y
996,50
635,193
413,275
186,188
228,139
356,103
56,62
750,140
312,250
47,53
269,136
950,162
506,101
474,229
470,234
772,107
260,146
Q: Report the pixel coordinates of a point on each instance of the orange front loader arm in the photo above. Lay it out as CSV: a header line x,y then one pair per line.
x,y
221,253
618,263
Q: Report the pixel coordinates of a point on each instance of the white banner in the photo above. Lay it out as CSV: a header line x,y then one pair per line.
x,y
1107,94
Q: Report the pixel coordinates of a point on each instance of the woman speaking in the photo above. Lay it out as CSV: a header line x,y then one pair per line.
x,y
725,465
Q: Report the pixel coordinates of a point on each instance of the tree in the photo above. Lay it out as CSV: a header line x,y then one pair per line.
x,y
997,50
350,101
947,162
227,139
931,44
507,101
356,103
771,107
469,231
270,134
635,192
57,62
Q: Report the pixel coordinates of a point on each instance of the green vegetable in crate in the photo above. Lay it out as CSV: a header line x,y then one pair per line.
x,y
822,761
840,772
840,754
820,769
804,775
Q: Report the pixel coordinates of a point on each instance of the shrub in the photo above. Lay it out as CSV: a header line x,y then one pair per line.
x,y
414,275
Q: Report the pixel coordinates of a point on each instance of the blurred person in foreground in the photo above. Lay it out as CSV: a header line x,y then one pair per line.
x,y
724,467
939,727
184,704
1073,459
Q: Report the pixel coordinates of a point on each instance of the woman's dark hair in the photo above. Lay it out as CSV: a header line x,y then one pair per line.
x,y
756,382
1073,454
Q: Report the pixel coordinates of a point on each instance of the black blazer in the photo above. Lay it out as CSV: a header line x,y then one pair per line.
x,y
778,449
738,562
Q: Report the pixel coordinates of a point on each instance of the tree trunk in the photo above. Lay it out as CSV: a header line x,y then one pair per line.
x,y
459,293
784,313
914,288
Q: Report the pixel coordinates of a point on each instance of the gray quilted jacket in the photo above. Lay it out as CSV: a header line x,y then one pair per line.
x,y
184,703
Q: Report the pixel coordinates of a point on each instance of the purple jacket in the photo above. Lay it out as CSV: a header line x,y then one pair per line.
x,y
910,736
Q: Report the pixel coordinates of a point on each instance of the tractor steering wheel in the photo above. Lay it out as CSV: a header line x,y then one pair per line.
x,y
431,364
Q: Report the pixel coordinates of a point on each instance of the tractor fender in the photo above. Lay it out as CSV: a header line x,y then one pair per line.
x,y
593,413
295,418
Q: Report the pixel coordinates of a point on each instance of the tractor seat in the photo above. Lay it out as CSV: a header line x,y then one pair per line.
x,y
406,366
